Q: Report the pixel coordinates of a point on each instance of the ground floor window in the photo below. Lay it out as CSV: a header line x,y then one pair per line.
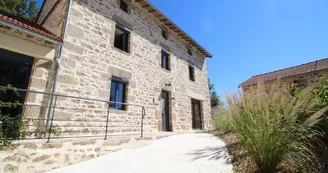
x,y
15,70
117,93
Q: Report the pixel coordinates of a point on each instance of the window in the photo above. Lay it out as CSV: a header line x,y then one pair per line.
x,y
117,93
191,73
124,6
165,35
165,60
189,51
298,85
121,40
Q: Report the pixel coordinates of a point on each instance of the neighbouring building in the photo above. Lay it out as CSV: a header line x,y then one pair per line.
x,y
123,51
303,76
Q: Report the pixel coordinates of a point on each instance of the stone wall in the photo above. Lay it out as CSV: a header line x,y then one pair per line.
x,y
52,16
90,60
46,8
38,156
309,80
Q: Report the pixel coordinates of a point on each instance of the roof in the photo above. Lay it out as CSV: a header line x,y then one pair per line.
x,y
287,72
172,26
25,24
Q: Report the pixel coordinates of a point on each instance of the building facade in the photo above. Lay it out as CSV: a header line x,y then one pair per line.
x,y
122,51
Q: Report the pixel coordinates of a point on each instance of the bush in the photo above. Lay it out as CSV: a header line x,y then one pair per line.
x,y
12,127
276,127
321,96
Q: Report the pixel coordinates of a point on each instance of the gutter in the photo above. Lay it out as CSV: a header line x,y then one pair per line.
x,y
58,60
31,32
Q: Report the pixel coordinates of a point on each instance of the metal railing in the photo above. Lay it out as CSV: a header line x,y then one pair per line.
x,y
101,114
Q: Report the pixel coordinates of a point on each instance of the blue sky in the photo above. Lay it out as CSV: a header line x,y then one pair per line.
x,y
252,37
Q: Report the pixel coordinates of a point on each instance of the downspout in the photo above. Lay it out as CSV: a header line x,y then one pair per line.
x,y
57,66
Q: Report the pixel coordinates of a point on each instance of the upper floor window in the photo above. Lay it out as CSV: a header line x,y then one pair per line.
x,y
117,94
298,86
124,6
121,40
189,51
165,60
191,73
165,34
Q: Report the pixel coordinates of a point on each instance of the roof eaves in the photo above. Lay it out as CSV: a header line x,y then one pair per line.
x,y
189,39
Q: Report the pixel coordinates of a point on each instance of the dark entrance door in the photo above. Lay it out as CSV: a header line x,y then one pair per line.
x,y
196,114
15,69
165,111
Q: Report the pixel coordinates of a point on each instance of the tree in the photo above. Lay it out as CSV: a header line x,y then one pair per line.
x,y
215,99
26,9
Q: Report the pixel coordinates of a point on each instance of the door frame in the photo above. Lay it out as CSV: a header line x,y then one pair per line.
x,y
169,113
193,119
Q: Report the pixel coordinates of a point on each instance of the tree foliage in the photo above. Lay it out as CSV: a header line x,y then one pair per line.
x,y
26,9
215,99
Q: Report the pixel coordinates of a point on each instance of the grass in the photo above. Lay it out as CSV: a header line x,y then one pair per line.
x,y
275,127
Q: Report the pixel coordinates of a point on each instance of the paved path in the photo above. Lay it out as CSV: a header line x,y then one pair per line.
x,y
187,153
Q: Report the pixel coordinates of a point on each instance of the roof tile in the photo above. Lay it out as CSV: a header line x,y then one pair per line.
x,y
287,72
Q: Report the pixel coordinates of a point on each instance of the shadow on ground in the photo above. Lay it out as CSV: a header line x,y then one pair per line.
x,y
211,153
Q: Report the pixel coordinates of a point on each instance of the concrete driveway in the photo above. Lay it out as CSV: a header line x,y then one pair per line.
x,y
187,153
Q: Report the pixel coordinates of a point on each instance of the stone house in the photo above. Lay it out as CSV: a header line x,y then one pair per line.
x,y
303,76
122,51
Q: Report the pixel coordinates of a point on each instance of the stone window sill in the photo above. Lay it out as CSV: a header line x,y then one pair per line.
x,y
167,71
117,111
122,51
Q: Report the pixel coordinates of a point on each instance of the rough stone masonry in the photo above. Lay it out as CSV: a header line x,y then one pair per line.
x,y
90,60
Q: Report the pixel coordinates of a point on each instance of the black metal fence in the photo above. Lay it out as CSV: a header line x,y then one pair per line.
x,y
73,117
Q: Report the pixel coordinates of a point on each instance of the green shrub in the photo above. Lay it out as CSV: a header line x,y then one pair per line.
x,y
12,127
321,97
275,127
322,93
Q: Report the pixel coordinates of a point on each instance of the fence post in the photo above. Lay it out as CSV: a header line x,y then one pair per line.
x,y
142,117
52,119
107,120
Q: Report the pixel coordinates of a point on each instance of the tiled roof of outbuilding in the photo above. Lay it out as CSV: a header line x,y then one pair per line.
x,y
292,71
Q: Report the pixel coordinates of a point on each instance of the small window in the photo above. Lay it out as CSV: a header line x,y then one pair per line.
x,y
165,35
191,73
165,60
189,51
117,94
122,38
124,6
301,84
